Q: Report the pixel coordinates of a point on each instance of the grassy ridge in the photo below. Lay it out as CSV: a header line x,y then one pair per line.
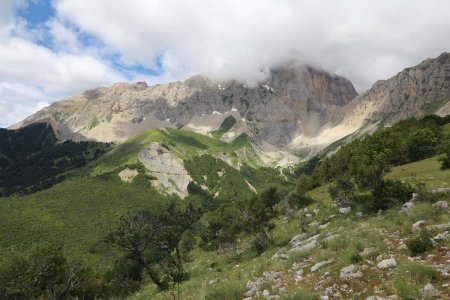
x,y
426,171
190,143
184,144
126,153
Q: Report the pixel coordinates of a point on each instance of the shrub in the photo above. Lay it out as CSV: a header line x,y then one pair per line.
x,y
445,163
260,242
124,278
367,203
391,192
419,244
421,144
446,159
343,191
43,272
297,201
355,258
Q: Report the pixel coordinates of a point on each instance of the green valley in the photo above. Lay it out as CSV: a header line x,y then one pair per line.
x,y
246,216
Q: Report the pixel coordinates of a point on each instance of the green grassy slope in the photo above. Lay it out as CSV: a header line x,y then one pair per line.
x,y
184,144
446,129
74,214
426,171
233,269
77,212
226,125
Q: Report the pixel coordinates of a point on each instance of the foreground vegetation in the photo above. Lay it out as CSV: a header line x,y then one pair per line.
x,y
223,273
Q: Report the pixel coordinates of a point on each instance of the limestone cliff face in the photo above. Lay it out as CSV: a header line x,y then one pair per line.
x,y
294,100
414,92
171,176
299,109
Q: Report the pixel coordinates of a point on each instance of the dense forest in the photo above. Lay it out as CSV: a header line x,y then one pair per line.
x,y
31,159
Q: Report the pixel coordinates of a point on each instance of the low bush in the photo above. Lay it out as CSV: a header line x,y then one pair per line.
x,y
419,244
392,192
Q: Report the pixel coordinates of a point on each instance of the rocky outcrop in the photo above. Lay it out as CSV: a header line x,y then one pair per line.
x,y
127,174
350,272
321,264
428,291
387,263
171,176
414,92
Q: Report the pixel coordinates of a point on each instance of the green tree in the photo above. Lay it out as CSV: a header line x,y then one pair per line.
x,y
368,168
152,240
222,226
446,159
421,144
43,272
343,191
304,184
140,236
257,214
297,199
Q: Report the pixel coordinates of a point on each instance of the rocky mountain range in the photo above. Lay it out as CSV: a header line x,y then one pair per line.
x,y
298,109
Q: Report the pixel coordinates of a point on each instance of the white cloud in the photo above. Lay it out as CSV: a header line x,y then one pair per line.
x,y
15,101
63,37
32,76
241,39
363,40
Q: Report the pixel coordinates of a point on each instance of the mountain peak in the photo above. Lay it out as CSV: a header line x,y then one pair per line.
x,y
294,100
297,108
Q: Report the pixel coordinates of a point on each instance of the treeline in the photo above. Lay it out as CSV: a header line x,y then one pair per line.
x,y
15,144
357,169
32,160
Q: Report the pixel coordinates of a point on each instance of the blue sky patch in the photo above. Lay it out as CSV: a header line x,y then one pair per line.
x,y
37,12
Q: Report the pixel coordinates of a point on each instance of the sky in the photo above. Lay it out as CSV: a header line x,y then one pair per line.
x,y
50,50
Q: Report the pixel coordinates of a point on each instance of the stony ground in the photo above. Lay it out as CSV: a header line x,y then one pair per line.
x,y
368,261
344,254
